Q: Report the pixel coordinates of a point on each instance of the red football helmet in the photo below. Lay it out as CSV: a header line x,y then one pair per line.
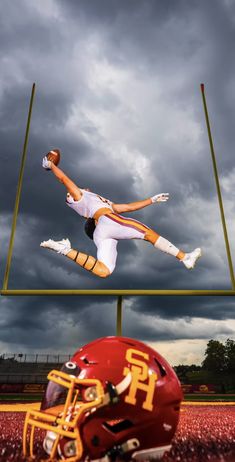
x,y
115,398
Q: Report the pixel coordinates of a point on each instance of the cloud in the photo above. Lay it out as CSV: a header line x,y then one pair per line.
x,y
118,90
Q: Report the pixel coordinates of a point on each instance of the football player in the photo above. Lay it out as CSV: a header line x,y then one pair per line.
x,y
106,227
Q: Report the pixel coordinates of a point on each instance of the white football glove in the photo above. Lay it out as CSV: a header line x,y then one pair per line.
x,y
46,163
163,197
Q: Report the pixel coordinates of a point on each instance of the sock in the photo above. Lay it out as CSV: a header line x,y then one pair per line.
x,y
166,246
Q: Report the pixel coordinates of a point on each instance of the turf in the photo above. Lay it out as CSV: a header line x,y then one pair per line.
x,y
206,432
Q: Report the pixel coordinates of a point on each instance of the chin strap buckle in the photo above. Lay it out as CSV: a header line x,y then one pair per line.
x,y
119,451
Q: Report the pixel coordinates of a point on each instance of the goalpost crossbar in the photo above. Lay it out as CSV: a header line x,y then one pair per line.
x,y
118,292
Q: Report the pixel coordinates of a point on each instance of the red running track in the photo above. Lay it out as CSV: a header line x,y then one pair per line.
x,y
205,433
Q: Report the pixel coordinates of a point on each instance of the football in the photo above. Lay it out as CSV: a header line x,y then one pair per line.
x,y
54,156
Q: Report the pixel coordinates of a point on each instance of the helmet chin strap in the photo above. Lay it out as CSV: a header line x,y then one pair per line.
x,y
118,451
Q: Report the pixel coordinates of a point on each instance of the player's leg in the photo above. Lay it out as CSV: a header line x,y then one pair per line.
x,y
188,259
120,227
163,244
107,252
105,263
87,262
127,228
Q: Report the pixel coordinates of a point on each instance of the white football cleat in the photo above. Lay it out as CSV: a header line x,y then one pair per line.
x,y
190,258
63,247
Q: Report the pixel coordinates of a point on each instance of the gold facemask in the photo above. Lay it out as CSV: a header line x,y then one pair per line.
x,y
64,420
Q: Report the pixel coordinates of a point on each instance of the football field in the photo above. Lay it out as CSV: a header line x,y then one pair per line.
x,y
206,432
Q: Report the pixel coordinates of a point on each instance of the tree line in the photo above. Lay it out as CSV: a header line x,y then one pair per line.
x,y
218,357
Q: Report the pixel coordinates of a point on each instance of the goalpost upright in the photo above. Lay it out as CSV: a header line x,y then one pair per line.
x,y
18,192
230,264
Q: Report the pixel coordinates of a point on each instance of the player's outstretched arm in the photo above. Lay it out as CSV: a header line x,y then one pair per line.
x,y
71,187
132,206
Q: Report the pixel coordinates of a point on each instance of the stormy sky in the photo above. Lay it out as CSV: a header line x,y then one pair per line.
x,y
118,91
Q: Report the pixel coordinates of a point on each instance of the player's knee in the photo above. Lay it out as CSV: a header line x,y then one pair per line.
x,y
151,236
105,273
102,270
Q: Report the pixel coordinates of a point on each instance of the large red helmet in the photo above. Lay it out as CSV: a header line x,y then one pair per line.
x,y
117,397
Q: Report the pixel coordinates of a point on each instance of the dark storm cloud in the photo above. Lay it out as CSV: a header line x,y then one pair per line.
x,y
117,89
150,34
219,308
50,315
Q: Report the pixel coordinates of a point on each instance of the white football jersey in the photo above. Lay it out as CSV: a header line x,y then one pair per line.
x,y
88,204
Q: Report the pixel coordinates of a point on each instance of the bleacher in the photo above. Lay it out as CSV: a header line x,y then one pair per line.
x,y
23,368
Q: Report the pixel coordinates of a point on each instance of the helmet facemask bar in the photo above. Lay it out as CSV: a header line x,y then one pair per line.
x,y
66,423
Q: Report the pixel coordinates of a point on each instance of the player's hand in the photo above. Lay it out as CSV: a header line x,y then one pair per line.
x,y
46,163
163,197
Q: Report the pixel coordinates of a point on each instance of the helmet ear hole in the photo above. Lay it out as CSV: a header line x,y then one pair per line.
x,y
90,227
90,394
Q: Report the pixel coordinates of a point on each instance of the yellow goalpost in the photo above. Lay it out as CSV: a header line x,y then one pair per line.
x,y
119,293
